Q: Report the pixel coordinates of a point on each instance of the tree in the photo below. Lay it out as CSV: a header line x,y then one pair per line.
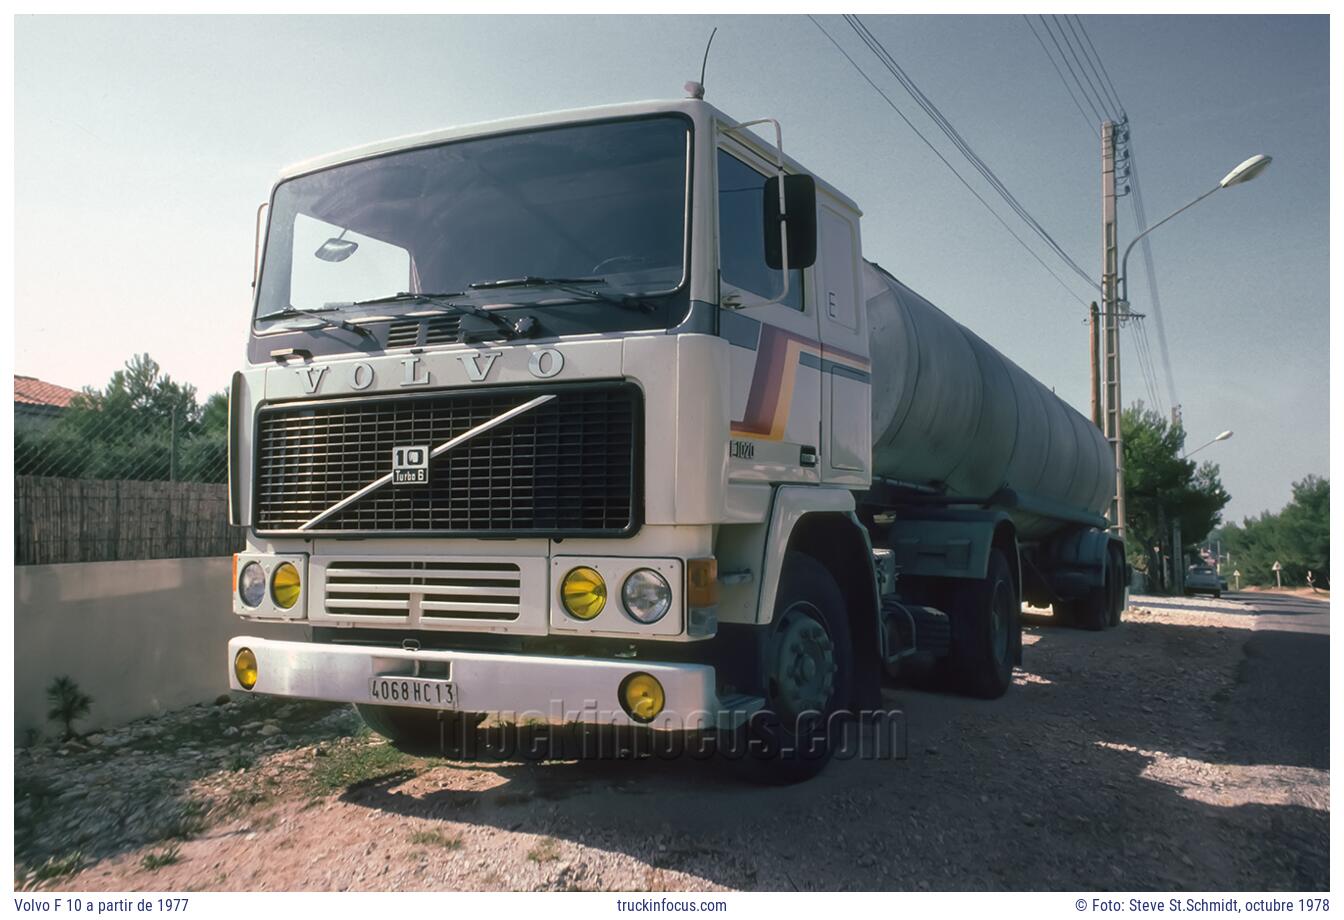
x,y
142,425
1162,488
1297,537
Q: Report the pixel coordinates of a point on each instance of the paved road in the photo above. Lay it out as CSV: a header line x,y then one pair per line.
x,y
1285,671
1287,612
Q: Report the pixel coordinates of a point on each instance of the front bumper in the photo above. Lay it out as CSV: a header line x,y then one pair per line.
x,y
522,687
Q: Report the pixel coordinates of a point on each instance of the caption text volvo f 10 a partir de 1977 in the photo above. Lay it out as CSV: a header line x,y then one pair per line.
x,y
603,417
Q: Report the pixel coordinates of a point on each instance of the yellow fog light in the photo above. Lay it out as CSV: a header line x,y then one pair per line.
x,y
285,585
245,668
642,697
583,592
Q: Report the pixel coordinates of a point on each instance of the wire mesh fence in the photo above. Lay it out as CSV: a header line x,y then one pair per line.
x,y
89,440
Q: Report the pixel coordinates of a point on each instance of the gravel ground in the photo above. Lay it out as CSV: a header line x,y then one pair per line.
x,y
1129,759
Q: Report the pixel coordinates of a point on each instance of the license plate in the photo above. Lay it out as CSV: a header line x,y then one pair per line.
x,y
414,691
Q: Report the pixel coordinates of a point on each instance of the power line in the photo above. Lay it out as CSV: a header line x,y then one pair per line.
x,y
1095,113
978,197
1143,350
945,125
1150,273
1101,103
1051,58
1114,94
1101,88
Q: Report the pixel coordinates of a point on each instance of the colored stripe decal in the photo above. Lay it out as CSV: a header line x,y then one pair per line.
x,y
778,356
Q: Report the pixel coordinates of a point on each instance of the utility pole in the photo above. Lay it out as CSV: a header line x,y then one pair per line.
x,y
1093,338
1110,344
1177,559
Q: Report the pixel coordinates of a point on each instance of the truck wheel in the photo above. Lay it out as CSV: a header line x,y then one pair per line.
x,y
421,732
1062,614
808,671
1092,611
1115,578
984,626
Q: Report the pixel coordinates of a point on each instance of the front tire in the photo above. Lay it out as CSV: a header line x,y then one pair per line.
x,y
809,674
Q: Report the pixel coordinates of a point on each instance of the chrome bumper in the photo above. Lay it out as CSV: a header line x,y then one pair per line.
x,y
522,687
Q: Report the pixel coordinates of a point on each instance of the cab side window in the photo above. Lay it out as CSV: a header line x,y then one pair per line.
x,y
742,235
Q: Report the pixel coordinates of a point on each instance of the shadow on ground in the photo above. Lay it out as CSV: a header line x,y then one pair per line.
x,y
1107,767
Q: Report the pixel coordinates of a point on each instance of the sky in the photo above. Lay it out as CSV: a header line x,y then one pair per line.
x,y
144,145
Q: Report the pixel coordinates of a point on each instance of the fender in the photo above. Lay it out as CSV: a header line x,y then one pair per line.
x,y
946,544
790,505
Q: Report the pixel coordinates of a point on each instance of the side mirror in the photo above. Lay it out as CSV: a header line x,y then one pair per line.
x,y
800,204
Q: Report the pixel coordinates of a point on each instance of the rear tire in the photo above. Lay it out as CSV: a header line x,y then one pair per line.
x,y
809,678
985,627
1116,579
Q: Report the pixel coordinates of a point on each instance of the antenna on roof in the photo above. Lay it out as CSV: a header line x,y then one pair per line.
x,y
696,90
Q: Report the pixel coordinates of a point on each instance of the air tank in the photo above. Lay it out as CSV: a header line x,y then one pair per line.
x,y
952,412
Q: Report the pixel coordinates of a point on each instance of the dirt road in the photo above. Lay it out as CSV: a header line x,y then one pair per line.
x,y
1187,749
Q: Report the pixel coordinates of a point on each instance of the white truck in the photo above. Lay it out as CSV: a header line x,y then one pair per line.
x,y
601,417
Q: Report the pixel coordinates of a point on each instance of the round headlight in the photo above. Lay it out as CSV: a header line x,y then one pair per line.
x,y
252,584
646,595
642,697
245,668
285,585
583,592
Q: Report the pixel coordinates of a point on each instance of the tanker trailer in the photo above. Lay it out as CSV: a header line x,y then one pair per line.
x,y
964,439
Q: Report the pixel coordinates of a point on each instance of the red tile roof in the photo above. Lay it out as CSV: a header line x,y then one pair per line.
x,y
34,392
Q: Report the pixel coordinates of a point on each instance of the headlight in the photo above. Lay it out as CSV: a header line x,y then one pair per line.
x,y
583,592
252,584
245,668
285,585
642,697
646,595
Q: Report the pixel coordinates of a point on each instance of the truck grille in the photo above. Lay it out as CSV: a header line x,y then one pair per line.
x,y
434,590
568,466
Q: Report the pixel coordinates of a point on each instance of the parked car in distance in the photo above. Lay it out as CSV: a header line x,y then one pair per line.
x,y
1202,579
1222,582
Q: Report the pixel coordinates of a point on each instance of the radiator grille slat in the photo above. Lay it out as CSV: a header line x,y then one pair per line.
x,y
435,590
567,466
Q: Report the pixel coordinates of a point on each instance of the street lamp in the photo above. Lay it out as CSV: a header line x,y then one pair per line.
x,y
1244,172
1222,437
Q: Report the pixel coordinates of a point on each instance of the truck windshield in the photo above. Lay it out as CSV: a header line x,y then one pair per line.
x,y
604,200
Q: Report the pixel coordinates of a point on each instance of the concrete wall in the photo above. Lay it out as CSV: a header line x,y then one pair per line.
x,y
140,637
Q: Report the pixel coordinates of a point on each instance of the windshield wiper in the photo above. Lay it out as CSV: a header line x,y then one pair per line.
x,y
569,286
522,326
291,310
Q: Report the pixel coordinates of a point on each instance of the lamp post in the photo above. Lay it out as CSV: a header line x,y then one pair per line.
x,y
1222,437
1117,302
1244,172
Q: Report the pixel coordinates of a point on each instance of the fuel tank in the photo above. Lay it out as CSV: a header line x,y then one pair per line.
x,y
950,411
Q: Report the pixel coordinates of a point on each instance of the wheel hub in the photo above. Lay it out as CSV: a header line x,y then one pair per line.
x,y
803,665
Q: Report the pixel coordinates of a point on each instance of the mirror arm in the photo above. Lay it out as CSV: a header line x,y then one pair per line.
x,y
783,214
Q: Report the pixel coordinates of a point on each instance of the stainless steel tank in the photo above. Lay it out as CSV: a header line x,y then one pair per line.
x,y
949,410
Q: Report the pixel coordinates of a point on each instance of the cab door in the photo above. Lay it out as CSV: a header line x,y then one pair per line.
x,y
775,363
846,392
